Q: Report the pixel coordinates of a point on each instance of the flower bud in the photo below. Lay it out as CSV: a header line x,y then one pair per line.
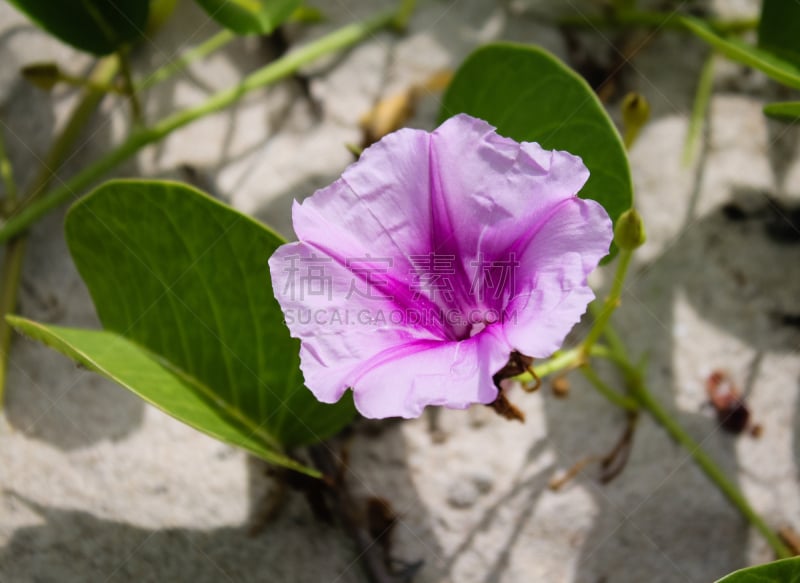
x,y
635,113
629,233
160,11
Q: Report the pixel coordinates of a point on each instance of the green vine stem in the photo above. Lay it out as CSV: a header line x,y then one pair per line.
x,y
561,361
201,51
130,88
641,398
610,394
338,40
96,85
404,13
13,257
103,74
616,349
702,98
638,389
7,174
611,303
574,359
634,378
11,274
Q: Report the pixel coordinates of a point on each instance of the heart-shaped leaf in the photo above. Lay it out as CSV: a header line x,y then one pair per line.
x,y
529,95
250,16
774,66
181,286
785,571
779,29
95,26
785,111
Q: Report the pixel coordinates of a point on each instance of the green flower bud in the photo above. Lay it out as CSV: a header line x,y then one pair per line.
x,y
629,233
635,113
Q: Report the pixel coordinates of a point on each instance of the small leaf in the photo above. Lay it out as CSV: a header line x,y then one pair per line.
x,y
96,26
250,16
184,279
779,29
133,367
529,95
785,571
786,111
772,65
42,75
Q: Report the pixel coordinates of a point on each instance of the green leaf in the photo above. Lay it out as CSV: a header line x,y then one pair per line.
x,y
143,373
785,571
529,95
779,28
786,111
185,279
250,16
95,26
774,66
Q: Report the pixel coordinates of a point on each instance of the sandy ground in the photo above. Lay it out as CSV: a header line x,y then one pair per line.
x,y
96,486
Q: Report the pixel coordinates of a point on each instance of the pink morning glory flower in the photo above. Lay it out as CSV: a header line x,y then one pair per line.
x,y
433,258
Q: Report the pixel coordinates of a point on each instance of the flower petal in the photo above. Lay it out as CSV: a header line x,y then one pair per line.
x,y
340,320
557,260
380,206
488,190
402,382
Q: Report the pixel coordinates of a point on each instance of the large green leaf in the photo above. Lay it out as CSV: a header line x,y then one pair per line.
x,y
95,26
774,66
786,111
779,28
785,571
250,16
185,280
143,373
529,95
